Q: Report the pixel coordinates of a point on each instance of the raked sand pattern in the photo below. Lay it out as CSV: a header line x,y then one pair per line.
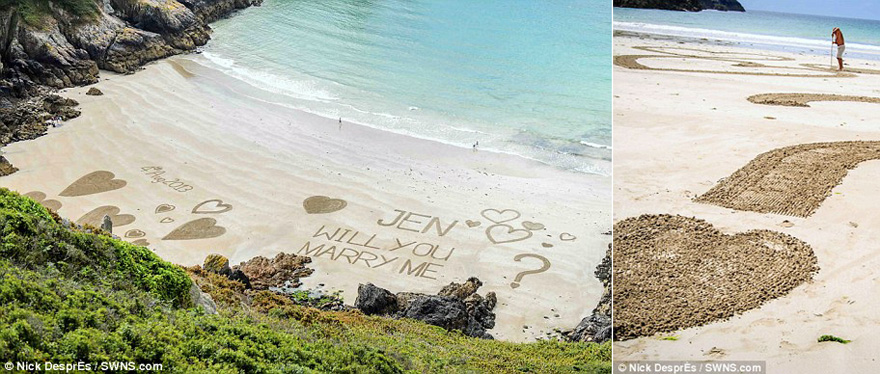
x,y
674,272
792,180
189,162
812,185
802,99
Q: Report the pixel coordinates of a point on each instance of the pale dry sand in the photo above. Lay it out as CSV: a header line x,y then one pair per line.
x,y
238,167
678,133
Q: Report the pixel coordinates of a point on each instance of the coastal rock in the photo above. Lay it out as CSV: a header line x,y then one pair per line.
x,y
201,299
94,92
6,168
455,307
239,276
57,49
284,270
444,311
373,300
682,5
597,326
216,263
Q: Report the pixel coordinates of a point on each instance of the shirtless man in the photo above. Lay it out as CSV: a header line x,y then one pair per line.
x,y
837,39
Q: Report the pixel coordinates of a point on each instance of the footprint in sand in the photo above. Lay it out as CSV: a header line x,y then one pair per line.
x,y
40,197
96,217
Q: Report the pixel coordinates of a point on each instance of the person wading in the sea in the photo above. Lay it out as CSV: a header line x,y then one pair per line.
x,y
837,39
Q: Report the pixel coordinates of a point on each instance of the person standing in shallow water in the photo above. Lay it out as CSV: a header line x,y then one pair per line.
x,y
837,39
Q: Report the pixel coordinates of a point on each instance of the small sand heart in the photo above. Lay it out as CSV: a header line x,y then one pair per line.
x,y
323,205
167,220
546,245
92,183
141,242
202,228
40,197
500,216
529,225
213,206
502,233
96,217
162,208
472,223
567,237
134,233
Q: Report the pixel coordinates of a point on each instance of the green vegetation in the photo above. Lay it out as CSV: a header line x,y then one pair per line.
x,y
832,338
35,12
67,295
671,337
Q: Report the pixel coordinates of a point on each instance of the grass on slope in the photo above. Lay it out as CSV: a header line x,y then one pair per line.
x,y
68,295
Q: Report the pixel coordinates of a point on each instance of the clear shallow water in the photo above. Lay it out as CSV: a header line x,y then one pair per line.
x,y
769,30
523,77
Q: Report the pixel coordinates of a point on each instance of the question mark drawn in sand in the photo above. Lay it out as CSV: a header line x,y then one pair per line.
x,y
522,274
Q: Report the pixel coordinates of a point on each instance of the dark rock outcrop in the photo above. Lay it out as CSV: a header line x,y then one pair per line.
x,y
682,5
64,50
94,92
455,307
597,326
283,271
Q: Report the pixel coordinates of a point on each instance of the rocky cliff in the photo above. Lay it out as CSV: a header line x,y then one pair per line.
x,y
64,45
685,5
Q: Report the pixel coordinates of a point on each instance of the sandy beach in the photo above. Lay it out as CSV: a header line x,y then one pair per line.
x,y
188,162
684,124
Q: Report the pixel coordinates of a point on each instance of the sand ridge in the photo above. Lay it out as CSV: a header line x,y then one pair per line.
x,y
631,62
801,99
674,272
792,180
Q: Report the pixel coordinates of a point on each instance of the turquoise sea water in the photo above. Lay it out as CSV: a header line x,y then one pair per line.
x,y
767,30
526,77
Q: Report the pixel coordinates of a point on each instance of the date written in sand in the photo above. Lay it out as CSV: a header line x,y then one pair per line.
x,y
157,175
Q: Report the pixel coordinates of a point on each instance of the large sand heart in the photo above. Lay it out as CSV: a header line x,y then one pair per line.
x,y
202,228
674,272
96,217
40,197
323,204
502,233
92,183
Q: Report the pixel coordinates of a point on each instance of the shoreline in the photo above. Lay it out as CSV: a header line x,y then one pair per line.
x,y
197,124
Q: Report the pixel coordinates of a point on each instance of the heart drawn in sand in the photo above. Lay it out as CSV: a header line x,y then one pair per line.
x,y
502,233
567,237
96,217
92,183
167,220
213,206
323,204
472,224
547,245
162,208
40,197
500,216
674,272
141,242
134,233
202,228
529,225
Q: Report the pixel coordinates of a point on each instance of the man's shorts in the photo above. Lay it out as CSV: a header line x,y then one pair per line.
x,y
840,50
